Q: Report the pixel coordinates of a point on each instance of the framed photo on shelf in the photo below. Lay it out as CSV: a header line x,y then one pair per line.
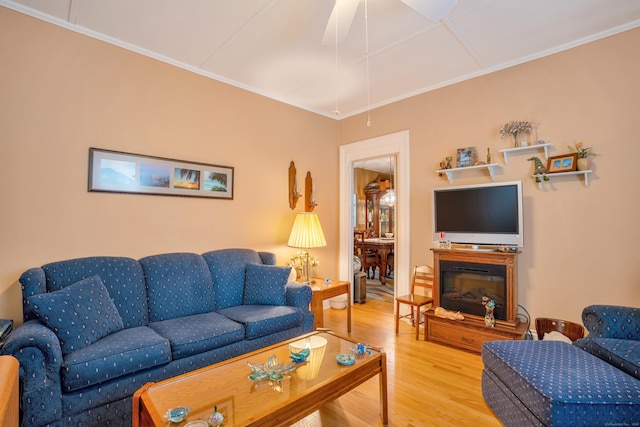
x,y
118,172
563,163
466,157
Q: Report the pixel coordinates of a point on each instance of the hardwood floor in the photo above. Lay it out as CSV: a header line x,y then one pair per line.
x,y
428,384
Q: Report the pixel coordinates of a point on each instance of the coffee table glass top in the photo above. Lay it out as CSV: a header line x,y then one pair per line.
x,y
227,386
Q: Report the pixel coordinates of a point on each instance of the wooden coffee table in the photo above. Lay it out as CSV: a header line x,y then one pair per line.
x,y
244,402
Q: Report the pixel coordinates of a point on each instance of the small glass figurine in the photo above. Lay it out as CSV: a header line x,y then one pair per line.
x,y
177,415
489,305
216,419
361,350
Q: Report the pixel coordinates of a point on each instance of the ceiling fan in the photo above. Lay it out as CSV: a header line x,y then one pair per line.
x,y
345,10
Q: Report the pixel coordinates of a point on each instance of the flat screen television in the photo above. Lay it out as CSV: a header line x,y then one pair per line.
x,y
485,214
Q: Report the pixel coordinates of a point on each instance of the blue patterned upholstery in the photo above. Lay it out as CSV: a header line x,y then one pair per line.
x,y
168,308
120,354
610,321
123,278
261,320
79,314
199,333
264,284
177,285
228,267
553,383
614,336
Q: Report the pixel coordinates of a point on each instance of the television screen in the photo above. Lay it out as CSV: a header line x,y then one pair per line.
x,y
489,214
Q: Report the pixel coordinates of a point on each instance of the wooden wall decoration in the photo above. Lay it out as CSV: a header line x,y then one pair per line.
x,y
309,194
293,186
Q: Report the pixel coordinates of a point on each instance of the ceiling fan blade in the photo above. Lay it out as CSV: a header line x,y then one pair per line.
x,y
343,12
432,9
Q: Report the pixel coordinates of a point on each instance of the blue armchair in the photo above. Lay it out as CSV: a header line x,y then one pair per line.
x,y
614,336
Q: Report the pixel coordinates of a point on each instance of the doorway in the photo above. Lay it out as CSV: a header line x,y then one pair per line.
x,y
396,144
375,220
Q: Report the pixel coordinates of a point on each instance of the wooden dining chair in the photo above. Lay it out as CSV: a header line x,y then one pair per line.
x,y
421,295
572,330
368,259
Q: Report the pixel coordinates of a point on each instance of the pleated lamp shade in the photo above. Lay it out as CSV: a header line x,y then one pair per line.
x,y
306,232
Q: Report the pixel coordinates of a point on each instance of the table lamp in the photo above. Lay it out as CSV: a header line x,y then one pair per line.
x,y
306,233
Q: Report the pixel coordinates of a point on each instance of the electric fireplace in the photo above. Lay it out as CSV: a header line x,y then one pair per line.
x,y
461,279
463,284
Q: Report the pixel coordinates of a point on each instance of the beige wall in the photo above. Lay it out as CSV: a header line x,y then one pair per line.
x,y
580,243
63,92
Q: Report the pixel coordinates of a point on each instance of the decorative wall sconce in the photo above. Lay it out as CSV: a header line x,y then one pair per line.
x,y
309,194
293,186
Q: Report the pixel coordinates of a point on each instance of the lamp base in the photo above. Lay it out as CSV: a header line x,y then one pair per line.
x,y
306,271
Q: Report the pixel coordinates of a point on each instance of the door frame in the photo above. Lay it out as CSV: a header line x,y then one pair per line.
x,y
397,144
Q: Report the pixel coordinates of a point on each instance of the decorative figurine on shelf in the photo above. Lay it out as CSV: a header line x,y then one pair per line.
x,y
489,318
488,155
539,169
448,165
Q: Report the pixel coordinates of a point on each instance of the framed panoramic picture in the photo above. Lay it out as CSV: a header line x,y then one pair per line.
x,y
118,172
564,163
466,157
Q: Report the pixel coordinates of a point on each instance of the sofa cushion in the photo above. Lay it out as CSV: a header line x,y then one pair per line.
x,y
261,320
123,277
561,384
178,284
79,314
623,354
228,267
199,333
119,354
265,284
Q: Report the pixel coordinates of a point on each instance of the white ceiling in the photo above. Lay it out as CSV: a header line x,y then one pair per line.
x,y
274,47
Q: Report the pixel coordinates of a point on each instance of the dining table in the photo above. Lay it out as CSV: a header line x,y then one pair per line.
x,y
384,246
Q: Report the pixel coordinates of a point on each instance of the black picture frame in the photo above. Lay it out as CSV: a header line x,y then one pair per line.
x,y
120,172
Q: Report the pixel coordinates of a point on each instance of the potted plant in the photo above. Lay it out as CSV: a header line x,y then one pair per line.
x,y
584,162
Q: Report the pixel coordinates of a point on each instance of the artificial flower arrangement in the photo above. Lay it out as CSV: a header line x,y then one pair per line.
x,y
515,127
300,260
583,152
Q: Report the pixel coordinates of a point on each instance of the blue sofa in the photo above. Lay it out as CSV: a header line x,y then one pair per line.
x,y
97,329
594,382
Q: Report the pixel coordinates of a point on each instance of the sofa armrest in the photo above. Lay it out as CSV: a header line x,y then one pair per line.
x,y
611,321
298,295
37,348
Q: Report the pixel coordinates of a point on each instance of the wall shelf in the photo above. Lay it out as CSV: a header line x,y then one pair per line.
x,y
507,151
450,172
553,175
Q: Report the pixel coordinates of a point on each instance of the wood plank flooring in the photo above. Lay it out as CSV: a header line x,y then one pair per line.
x,y
428,384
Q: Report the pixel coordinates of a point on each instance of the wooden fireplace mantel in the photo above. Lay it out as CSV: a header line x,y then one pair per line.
x,y
470,333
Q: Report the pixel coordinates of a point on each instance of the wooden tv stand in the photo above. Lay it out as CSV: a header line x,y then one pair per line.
x,y
470,333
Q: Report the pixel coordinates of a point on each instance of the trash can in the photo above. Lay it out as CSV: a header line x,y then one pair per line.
x,y
360,288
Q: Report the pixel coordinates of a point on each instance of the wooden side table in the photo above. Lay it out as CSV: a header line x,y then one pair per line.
x,y
9,406
323,291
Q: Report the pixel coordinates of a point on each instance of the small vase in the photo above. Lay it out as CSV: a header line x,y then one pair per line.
x,y
522,139
584,164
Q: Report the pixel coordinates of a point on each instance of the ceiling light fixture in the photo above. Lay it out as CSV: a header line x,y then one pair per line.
x,y
366,47
389,199
336,111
